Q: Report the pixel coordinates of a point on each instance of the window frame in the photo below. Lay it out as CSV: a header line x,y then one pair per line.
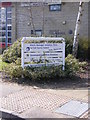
x,y
54,6
9,9
38,30
9,34
6,26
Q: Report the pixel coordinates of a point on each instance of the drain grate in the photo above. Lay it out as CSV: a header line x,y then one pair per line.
x,y
73,108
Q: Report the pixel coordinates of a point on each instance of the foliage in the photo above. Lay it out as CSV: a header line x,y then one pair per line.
x,y
68,46
18,61
13,70
13,52
42,73
73,66
47,72
2,64
83,48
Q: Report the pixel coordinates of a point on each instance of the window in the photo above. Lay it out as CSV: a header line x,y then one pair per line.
x,y
9,40
55,7
6,22
0,34
9,15
3,34
9,27
37,32
32,32
9,21
9,34
3,39
9,9
0,39
3,28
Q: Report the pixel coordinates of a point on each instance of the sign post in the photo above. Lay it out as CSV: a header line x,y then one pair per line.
x,y
42,51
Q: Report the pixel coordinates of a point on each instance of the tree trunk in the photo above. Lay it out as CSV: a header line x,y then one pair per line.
x,y
31,17
43,21
77,28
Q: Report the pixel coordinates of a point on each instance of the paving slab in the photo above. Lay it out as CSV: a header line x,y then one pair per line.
x,y
37,112
27,101
86,115
73,108
75,94
9,88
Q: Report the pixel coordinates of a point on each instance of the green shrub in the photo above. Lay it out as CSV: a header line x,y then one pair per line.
x,y
83,48
13,70
18,61
42,73
72,67
13,52
68,45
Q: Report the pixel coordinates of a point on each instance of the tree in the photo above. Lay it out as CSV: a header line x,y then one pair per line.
x,y
77,28
31,17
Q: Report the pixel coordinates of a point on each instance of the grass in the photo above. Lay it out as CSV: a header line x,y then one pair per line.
x,y
2,63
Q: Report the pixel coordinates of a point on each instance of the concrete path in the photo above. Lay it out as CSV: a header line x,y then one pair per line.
x,y
32,102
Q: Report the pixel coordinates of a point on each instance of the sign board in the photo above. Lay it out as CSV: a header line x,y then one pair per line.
x,y
34,4
43,51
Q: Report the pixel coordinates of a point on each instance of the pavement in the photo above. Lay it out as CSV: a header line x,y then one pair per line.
x,y
22,102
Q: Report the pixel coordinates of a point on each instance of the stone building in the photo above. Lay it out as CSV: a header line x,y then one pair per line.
x,y
23,19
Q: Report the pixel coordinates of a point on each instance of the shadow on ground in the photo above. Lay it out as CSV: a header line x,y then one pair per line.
x,y
75,82
7,116
63,83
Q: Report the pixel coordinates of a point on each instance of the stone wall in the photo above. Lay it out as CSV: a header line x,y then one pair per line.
x,y
62,22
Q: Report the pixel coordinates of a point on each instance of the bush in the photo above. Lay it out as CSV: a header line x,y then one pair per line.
x,y
18,61
42,73
68,45
13,70
12,53
72,67
83,47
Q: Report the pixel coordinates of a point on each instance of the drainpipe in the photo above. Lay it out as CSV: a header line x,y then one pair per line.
x,y
6,41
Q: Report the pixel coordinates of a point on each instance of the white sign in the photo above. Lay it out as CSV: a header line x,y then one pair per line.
x,y
34,4
43,54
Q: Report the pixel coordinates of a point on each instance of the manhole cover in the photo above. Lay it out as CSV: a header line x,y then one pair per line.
x,y
73,108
